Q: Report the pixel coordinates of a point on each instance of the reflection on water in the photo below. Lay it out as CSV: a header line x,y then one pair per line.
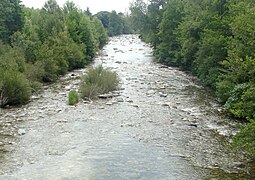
x,y
164,125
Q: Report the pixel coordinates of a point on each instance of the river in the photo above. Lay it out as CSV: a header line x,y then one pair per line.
x,y
162,125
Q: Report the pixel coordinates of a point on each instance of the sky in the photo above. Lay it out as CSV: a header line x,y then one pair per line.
x,y
94,5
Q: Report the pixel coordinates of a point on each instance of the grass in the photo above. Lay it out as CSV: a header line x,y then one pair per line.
x,y
98,81
73,97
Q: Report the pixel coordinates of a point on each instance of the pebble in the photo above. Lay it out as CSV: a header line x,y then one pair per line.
x,y
238,165
109,103
150,92
162,94
165,104
120,99
105,96
21,132
135,105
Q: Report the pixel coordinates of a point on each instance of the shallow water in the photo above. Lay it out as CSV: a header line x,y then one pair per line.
x,y
163,125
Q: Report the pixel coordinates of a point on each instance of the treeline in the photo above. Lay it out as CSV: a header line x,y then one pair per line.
x,y
115,23
39,45
215,40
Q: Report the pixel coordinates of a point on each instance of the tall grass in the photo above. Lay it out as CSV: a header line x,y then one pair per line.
x,y
73,97
98,81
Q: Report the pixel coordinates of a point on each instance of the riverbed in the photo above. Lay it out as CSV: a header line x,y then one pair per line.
x,y
162,124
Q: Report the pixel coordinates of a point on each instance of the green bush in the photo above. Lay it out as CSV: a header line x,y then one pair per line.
x,y
73,97
245,139
15,88
98,81
241,103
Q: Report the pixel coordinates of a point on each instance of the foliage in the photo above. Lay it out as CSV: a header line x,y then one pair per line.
x,y
14,87
73,97
98,81
245,139
115,23
167,50
11,19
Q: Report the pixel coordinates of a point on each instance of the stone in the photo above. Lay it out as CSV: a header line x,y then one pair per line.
x,y
21,132
238,165
135,105
162,94
165,104
120,99
150,92
109,103
105,96
62,121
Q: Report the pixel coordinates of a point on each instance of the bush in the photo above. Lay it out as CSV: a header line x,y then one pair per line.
x,y
15,88
241,103
73,97
98,81
245,139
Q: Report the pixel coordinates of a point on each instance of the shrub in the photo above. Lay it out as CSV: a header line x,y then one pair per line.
x,y
73,97
245,139
98,81
241,103
15,88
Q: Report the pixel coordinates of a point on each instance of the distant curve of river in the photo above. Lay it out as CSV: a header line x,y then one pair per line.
x,y
162,124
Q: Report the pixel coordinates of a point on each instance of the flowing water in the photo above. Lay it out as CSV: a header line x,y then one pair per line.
x,y
162,125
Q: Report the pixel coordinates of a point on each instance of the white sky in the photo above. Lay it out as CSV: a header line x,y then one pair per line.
x,y
94,5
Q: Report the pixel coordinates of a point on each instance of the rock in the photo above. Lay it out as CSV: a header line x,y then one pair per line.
x,y
35,97
238,165
105,96
162,94
135,105
130,101
193,125
165,104
109,103
150,92
163,66
101,107
117,62
62,121
21,132
120,99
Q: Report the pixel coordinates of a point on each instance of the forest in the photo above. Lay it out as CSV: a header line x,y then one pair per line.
x,y
39,45
213,39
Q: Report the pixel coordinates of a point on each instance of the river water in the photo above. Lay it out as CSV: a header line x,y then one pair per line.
x,y
162,125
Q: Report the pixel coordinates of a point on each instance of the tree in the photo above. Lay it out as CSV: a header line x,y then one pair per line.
x,y
116,24
11,18
51,20
168,48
